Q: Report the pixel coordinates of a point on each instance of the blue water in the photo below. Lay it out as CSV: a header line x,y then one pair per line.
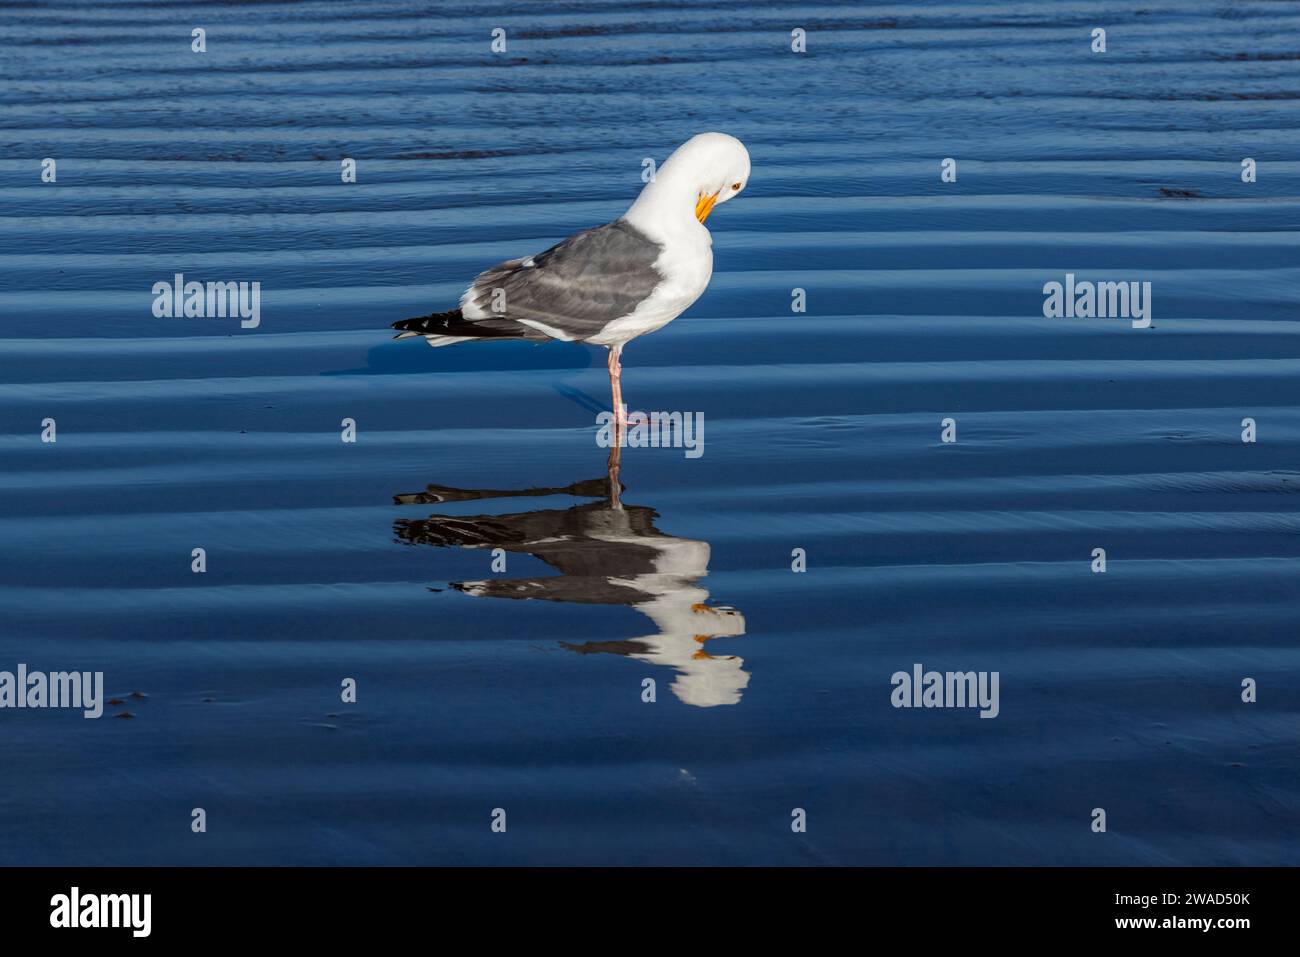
x,y
328,560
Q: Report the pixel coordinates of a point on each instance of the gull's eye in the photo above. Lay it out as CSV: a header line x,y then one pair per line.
x,y
737,186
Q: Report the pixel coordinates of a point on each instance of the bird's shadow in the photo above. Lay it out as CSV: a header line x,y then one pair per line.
x,y
578,397
399,358
395,356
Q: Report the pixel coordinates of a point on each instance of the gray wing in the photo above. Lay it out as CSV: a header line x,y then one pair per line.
x,y
577,287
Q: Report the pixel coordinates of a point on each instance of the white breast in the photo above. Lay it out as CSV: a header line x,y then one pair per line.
x,y
686,265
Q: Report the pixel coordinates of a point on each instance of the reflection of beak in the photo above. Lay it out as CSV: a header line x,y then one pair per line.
x,y
701,608
704,205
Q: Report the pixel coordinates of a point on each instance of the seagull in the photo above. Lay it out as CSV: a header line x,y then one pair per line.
x,y
610,284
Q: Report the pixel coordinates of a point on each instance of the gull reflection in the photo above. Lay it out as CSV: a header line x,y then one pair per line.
x,y
606,553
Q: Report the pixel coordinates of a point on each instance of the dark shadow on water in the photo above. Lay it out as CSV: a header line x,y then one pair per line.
x,y
606,553
578,397
389,356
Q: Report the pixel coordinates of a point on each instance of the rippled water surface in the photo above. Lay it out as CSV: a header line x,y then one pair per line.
x,y
522,689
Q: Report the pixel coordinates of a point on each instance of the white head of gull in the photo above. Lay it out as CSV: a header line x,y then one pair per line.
x,y
705,171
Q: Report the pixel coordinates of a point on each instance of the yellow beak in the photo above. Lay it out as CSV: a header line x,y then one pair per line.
x,y
704,206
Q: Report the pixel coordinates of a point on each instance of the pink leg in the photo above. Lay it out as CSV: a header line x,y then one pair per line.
x,y
616,388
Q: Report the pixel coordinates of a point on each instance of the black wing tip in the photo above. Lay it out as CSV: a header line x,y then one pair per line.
x,y
422,325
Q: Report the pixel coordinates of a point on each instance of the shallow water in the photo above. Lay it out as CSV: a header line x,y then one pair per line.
x,y
522,689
